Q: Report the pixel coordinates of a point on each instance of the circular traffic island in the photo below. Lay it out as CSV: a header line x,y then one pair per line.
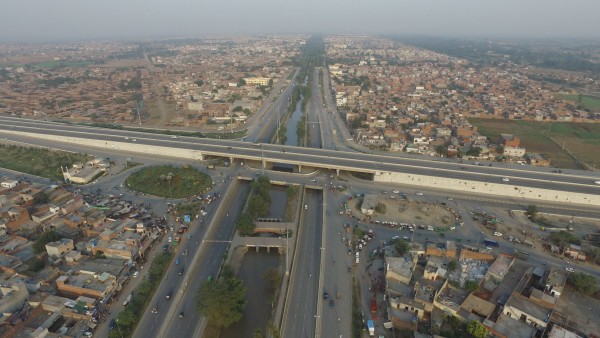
x,y
169,181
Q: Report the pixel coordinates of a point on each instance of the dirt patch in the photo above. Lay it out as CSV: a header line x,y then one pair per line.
x,y
577,312
411,212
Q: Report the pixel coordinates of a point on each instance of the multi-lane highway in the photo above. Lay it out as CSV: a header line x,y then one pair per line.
x,y
301,306
522,176
206,250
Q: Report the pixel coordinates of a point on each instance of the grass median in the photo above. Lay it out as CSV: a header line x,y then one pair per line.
x,y
169,181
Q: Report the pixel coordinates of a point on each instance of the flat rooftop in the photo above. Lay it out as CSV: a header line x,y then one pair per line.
x,y
501,265
524,304
513,328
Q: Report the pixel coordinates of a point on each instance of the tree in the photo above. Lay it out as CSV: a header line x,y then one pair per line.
x,y
584,283
291,191
273,277
562,238
258,333
241,83
35,264
40,198
532,212
257,206
476,329
245,224
452,265
222,301
401,247
475,152
381,208
238,109
199,83
45,238
471,285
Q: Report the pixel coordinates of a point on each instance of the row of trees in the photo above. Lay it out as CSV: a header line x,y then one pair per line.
x,y
258,206
128,318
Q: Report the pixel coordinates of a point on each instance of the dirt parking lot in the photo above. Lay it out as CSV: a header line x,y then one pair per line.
x,y
411,212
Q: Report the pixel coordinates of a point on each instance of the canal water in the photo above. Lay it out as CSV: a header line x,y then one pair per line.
x,y
292,137
258,294
278,202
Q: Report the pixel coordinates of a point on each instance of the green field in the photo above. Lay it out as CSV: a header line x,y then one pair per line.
x,y
587,101
581,139
169,181
38,161
61,64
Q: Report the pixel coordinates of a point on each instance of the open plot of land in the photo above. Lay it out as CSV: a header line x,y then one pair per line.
x,y
588,101
579,312
38,161
403,211
582,139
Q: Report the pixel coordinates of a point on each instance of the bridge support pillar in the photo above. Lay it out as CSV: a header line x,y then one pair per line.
x,y
200,157
268,249
264,164
337,172
256,248
231,160
300,168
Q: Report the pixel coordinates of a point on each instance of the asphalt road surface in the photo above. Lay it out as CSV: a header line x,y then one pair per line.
x,y
573,181
206,252
301,306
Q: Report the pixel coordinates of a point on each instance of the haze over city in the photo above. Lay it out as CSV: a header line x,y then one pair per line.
x,y
24,21
273,168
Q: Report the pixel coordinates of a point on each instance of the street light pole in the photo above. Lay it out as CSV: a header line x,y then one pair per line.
x,y
262,160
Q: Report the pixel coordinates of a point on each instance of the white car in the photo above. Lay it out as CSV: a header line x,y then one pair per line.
x,y
396,191
496,233
174,136
419,194
135,274
597,182
570,269
505,179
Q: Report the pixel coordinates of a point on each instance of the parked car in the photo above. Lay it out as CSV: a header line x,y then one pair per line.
x,y
135,274
496,233
181,314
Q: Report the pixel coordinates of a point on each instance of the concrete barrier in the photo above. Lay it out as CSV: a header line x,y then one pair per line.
x,y
485,188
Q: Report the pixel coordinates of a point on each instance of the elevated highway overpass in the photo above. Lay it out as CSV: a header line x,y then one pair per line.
x,y
512,181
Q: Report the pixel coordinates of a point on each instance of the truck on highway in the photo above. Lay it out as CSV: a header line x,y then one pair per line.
x,y
521,255
490,242
373,305
371,327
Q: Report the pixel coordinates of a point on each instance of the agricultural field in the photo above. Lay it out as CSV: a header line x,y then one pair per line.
x,y
581,139
587,101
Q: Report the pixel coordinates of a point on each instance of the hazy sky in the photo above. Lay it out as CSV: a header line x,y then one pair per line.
x,y
40,20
